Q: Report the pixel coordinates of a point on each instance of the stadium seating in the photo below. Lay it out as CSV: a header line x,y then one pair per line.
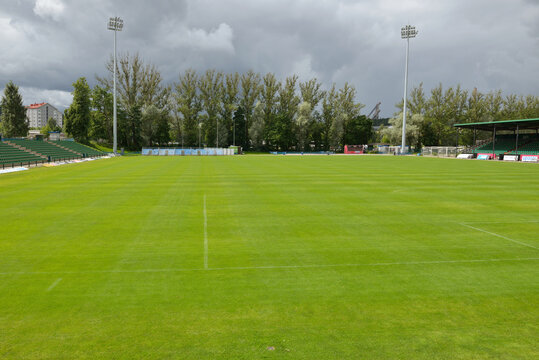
x,y
504,144
11,156
530,148
79,148
48,149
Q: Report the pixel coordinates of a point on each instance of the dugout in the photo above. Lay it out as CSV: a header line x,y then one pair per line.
x,y
514,139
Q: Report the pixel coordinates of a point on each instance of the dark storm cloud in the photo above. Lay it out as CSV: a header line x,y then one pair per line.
x,y
489,44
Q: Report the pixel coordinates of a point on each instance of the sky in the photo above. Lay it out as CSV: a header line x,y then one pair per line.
x,y
46,45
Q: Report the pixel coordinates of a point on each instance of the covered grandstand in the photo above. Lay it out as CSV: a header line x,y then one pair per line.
x,y
511,139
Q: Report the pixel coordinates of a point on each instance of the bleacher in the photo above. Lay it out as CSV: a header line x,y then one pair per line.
x,y
50,150
505,144
530,148
84,150
528,144
12,156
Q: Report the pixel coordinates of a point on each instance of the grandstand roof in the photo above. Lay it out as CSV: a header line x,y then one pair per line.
x,y
502,125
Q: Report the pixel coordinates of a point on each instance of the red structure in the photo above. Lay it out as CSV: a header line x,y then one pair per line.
x,y
353,149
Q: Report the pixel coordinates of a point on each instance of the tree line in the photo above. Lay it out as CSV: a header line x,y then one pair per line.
x,y
255,111
430,118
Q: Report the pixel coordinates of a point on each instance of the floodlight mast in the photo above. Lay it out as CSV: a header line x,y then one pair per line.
x,y
407,32
115,24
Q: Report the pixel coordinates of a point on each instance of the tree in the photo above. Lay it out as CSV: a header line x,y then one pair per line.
x,y
329,113
211,87
302,124
101,127
132,128
186,109
256,130
138,83
51,126
13,118
238,126
417,104
359,130
250,86
230,105
280,132
311,93
77,122
269,98
154,126
348,109
394,133
288,100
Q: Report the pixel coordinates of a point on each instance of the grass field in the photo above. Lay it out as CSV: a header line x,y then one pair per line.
x,y
268,257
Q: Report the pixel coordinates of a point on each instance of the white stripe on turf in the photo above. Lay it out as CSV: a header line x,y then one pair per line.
x,y
313,266
500,236
53,285
205,235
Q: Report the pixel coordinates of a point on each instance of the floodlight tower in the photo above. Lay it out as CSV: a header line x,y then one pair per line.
x,y
115,24
407,32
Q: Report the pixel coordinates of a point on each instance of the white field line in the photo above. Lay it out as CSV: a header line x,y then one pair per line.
x,y
500,236
313,266
205,235
53,285
500,222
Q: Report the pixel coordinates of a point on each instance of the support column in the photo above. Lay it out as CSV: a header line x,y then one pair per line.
x,y
516,143
494,141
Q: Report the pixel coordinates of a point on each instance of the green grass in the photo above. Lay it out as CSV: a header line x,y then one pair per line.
x,y
314,257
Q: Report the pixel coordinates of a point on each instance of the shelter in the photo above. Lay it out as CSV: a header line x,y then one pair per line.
x,y
524,139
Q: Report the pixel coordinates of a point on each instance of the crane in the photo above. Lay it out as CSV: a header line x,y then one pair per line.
x,y
375,112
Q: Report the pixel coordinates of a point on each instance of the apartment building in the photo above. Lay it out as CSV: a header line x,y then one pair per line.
x,y
39,114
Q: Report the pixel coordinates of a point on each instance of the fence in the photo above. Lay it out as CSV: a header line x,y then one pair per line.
x,y
442,151
186,152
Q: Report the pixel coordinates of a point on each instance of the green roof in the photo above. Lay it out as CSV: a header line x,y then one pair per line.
x,y
502,125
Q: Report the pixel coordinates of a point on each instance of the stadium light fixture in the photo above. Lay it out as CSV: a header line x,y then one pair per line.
x,y
407,32
115,24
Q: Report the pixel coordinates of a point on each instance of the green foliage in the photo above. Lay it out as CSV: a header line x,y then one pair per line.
x,y
77,122
132,128
303,121
257,128
51,126
155,128
280,133
359,131
213,99
250,86
238,125
210,86
230,105
186,109
101,115
13,117
444,108
393,134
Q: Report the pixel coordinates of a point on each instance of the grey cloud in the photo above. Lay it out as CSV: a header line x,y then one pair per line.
x,y
490,44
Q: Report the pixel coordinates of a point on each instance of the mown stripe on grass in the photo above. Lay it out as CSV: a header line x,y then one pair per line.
x,y
307,266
